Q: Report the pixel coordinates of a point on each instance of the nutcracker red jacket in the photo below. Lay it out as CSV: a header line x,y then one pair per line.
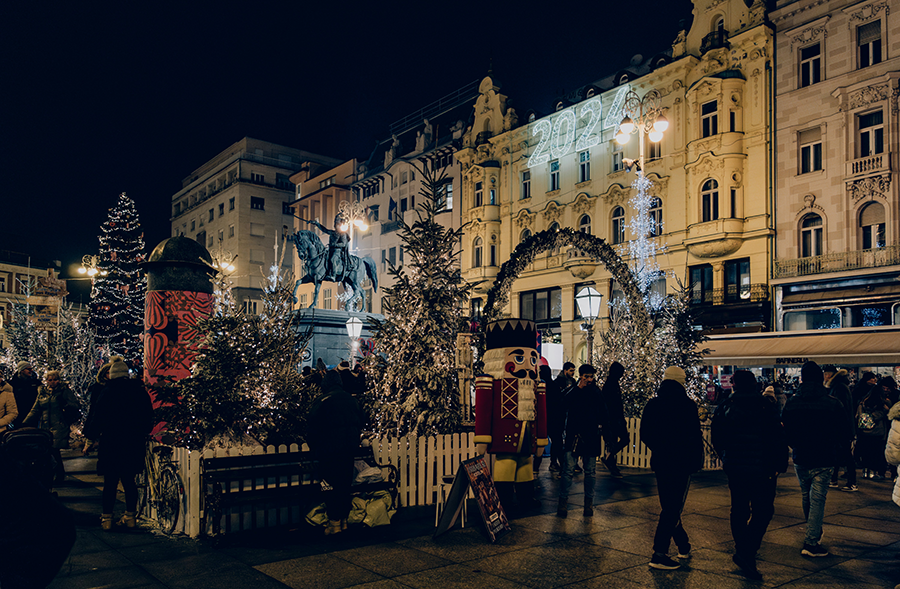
x,y
496,416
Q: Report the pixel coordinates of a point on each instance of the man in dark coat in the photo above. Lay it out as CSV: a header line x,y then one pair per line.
x,y
818,430
120,420
585,416
748,437
25,389
670,427
556,415
335,421
615,432
838,383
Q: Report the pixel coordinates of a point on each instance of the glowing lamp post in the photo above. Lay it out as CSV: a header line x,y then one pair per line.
x,y
89,266
588,301
354,330
353,215
644,117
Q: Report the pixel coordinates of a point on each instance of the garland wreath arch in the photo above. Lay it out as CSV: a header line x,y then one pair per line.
x,y
593,247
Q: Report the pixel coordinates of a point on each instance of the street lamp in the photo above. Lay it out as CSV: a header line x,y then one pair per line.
x,y
89,266
588,301
354,330
353,215
644,117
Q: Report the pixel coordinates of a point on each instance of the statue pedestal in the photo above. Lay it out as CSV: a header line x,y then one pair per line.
x,y
330,341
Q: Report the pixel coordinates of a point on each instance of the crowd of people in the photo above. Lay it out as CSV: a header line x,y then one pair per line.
x,y
828,423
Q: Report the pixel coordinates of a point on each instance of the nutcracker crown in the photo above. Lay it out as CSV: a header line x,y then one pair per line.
x,y
508,333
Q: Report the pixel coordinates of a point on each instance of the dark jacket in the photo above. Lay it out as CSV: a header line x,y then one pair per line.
x,y
817,427
556,404
25,390
670,427
748,436
612,398
121,419
585,415
47,413
335,419
839,385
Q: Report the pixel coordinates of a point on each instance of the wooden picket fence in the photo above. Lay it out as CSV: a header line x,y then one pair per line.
x,y
422,463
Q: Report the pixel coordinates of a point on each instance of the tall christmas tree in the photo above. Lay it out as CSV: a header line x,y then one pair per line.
x,y
117,299
414,368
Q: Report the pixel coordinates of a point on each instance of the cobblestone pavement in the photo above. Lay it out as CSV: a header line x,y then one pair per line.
x,y
611,549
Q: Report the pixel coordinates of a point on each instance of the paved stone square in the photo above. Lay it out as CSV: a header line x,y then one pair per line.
x,y
609,550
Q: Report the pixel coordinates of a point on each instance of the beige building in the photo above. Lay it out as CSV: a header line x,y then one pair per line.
x,y
236,206
838,248
25,281
711,173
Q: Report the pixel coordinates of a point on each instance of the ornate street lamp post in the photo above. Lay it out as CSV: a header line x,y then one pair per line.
x,y
353,215
354,330
644,117
588,301
89,266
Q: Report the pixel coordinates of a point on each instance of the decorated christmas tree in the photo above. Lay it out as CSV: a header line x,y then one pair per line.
x,y
416,387
117,299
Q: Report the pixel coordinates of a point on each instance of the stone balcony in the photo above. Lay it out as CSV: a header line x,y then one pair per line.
x,y
838,262
869,165
713,239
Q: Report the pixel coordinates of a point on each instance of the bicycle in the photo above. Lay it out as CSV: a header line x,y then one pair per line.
x,y
160,489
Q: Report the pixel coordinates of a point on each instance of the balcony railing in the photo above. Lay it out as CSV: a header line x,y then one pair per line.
x,y
732,294
838,262
714,40
872,164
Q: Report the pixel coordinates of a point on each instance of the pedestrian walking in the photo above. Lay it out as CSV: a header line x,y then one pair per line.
x,y
748,437
585,417
670,427
838,383
335,421
872,428
121,419
8,409
25,389
55,410
818,430
547,378
615,431
556,416
93,393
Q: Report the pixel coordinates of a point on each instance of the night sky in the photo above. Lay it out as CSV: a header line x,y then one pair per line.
x,y
100,98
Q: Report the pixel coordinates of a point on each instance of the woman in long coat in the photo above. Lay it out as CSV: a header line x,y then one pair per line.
x,y
49,412
121,420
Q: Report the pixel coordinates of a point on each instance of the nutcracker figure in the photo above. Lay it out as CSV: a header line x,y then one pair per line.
x,y
510,408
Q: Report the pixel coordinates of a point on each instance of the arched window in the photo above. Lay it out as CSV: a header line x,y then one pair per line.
x,y
871,225
477,252
526,233
584,224
811,236
720,25
655,217
618,225
709,195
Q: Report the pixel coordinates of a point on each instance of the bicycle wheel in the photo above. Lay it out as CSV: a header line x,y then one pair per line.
x,y
143,489
171,492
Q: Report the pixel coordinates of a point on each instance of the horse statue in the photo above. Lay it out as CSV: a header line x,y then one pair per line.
x,y
316,259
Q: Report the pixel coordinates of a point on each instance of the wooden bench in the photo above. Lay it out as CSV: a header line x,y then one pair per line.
x,y
267,487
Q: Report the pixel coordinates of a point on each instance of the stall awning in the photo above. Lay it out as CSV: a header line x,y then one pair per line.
x,y
873,346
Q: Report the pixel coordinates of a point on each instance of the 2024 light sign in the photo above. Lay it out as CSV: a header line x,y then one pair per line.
x,y
558,136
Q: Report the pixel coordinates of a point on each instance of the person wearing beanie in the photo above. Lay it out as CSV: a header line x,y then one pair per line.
x,y
93,393
51,412
120,420
818,430
838,384
670,428
865,384
25,390
748,437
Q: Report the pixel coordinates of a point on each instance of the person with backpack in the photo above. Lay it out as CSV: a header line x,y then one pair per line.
x,y
748,437
871,430
55,410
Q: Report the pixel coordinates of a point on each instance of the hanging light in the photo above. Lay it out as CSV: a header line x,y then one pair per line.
x,y
661,124
626,126
655,136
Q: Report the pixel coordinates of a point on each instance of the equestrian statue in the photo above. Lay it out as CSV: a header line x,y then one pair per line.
x,y
334,263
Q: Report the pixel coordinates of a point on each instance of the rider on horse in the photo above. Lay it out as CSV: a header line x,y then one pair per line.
x,y
337,264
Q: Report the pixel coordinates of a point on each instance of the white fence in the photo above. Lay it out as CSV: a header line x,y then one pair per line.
x,y
422,463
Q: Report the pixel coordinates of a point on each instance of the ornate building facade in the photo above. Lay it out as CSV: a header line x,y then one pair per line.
x,y
711,173
837,253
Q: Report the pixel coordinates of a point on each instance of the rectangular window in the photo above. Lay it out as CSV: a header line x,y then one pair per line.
x,y
709,119
618,157
400,254
221,209
404,177
403,205
732,121
257,229
251,307
479,194
810,150
448,196
554,176
3,283
737,279
257,203
810,65
526,185
384,259
655,151
392,256
193,225
373,213
210,243
257,178
326,298
326,183
701,284
493,255
221,235
734,203
541,305
303,299
287,209
871,134
231,231
231,204
868,44
493,196
584,166
212,215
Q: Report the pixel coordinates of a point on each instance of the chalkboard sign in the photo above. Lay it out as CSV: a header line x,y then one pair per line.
x,y
474,473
